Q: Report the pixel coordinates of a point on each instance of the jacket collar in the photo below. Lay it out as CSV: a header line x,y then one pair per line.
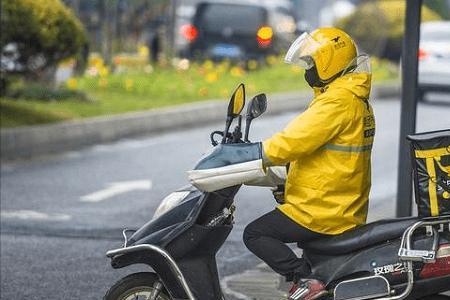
x,y
356,83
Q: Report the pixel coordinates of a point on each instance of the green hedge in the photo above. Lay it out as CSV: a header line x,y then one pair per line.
x,y
378,26
43,31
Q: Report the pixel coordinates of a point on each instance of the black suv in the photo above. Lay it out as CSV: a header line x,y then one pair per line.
x,y
236,31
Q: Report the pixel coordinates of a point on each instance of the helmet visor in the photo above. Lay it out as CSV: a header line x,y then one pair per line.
x,y
301,51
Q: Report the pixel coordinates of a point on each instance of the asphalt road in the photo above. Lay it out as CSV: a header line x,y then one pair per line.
x,y
53,240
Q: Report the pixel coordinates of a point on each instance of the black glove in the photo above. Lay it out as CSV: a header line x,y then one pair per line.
x,y
278,194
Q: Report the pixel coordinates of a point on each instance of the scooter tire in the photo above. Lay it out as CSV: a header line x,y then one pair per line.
x,y
135,283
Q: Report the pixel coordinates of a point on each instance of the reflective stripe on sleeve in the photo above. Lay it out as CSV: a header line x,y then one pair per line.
x,y
342,148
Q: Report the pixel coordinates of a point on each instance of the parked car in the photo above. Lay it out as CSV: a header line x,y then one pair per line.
x,y
434,58
184,14
238,30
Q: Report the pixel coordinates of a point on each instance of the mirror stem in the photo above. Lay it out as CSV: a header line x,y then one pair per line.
x,y
247,129
237,133
227,128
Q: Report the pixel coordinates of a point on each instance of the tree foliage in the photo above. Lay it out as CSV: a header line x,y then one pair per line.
x,y
378,26
41,33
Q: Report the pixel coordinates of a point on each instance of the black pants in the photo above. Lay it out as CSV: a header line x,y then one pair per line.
x,y
266,238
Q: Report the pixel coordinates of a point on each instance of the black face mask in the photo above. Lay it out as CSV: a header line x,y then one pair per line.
x,y
312,78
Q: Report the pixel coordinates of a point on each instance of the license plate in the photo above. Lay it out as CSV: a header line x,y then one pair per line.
x,y
226,50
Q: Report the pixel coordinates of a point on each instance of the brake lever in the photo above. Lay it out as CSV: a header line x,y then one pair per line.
x,y
211,136
214,142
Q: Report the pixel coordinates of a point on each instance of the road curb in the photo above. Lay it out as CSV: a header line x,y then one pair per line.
x,y
31,141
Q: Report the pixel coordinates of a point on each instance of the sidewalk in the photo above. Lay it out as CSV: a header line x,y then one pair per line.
x,y
260,283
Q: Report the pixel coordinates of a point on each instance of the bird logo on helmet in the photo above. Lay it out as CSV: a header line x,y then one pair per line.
x,y
325,53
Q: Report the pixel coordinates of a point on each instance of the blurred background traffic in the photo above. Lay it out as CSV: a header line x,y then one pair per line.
x,y
64,60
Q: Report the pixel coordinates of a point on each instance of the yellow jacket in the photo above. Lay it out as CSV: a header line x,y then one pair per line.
x,y
328,147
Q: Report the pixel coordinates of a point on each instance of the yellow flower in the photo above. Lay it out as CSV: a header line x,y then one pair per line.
x,y
252,64
103,71
102,82
72,84
208,64
128,84
237,72
271,59
203,91
143,51
95,60
296,69
212,77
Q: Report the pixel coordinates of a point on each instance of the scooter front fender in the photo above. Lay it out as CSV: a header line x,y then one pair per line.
x,y
160,261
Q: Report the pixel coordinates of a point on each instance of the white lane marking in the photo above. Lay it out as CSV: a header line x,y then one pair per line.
x,y
33,215
136,143
116,188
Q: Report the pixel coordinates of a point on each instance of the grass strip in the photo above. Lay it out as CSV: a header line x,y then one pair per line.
x,y
144,87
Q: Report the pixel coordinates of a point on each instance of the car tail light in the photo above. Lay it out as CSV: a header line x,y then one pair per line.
x,y
422,54
264,36
189,32
442,265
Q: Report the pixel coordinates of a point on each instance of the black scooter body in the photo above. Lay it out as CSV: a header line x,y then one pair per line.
x,y
193,246
378,259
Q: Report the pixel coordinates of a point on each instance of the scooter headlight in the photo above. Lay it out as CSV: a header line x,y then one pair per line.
x,y
170,202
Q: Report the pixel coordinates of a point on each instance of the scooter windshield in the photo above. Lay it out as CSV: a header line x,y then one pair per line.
x,y
171,201
173,215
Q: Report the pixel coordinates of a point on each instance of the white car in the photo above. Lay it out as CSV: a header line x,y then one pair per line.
x,y
434,57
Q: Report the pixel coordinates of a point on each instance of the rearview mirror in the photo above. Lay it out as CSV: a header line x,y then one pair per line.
x,y
256,108
237,102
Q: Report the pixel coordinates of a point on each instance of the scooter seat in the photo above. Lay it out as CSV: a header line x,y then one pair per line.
x,y
360,237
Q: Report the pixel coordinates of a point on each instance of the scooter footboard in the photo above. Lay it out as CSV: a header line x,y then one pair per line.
x,y
195,252
202,276
161,262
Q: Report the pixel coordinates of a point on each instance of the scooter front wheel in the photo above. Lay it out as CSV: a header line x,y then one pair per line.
x,y
137,286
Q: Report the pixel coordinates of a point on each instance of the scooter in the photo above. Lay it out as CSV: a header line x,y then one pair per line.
x,y
405,258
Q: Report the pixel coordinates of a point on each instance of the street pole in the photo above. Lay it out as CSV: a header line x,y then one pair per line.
x,y
408,105
105,30
172,29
